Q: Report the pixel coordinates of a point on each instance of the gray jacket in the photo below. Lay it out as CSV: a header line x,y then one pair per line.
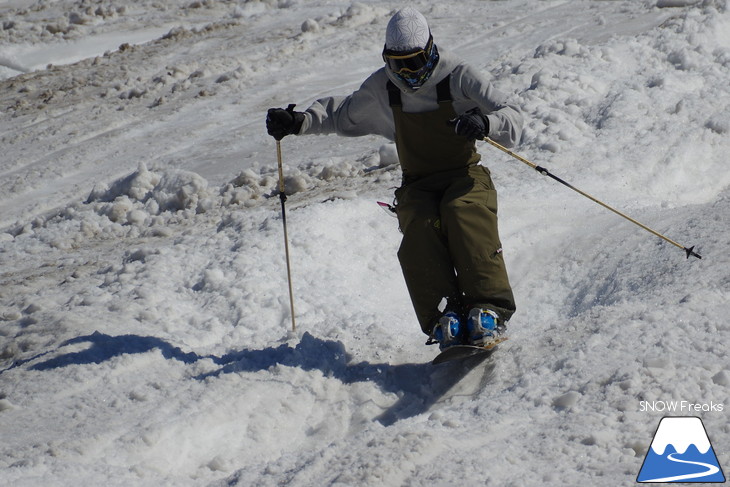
x,y
367,111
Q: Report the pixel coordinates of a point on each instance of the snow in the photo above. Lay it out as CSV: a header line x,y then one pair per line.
x,y
680,433
144,315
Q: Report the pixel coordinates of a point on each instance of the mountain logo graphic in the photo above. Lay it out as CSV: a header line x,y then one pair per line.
x,y
680,452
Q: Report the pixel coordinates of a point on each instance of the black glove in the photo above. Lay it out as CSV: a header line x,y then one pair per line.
x,y
472,124
281,122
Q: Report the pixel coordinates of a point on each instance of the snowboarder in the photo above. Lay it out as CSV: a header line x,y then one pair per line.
x,y
434,106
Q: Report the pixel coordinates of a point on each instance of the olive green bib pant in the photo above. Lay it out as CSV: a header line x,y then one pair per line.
x,y
447,211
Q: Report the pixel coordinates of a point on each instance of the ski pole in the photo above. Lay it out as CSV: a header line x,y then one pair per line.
x,y
282,197
689,251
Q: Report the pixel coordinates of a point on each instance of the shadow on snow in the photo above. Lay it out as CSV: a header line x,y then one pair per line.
x,y
418,386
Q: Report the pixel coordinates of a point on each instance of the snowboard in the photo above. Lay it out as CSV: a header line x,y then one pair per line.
x,y
463,351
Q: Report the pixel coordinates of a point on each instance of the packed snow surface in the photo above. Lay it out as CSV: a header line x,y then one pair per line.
x,y
145,331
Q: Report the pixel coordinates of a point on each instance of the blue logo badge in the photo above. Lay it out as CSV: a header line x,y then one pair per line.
x,y
680,452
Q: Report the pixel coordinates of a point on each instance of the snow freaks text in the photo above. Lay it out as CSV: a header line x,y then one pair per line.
x,y
683,407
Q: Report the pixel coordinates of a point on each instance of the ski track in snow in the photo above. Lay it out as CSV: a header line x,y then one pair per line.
x,y
144,312
711,470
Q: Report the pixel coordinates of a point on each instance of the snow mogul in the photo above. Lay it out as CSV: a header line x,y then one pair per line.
x,y
434,106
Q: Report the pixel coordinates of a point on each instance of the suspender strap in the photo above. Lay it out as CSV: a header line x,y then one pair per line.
x,y
393,95
443,89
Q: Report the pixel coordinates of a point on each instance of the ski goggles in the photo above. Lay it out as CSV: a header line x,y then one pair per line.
x,y
410,61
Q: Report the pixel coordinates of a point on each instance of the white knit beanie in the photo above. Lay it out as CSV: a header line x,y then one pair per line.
x,y
407,30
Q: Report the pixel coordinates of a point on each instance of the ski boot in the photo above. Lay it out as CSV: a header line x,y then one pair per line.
x,y
448,331
484,328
